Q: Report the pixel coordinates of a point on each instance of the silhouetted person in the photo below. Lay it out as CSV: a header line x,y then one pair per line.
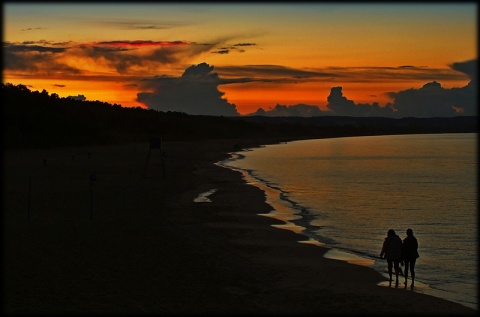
x,y
392,250
410,255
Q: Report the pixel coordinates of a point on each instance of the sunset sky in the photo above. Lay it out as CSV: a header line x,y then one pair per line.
x,y
183,56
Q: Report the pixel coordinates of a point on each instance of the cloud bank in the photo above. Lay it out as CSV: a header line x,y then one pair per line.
x,y
431,100
195,92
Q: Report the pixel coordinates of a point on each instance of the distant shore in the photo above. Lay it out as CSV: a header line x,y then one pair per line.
x,y
115,229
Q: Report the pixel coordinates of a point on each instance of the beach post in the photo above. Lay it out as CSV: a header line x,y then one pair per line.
x,y
155,143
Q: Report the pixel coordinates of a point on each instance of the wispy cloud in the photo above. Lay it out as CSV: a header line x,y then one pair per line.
x,y
244,44
139,25
239,47
32,29
272,73
347,74
121,56
142,43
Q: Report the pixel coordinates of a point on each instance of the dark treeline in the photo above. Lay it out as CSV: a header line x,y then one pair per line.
x,y
33,119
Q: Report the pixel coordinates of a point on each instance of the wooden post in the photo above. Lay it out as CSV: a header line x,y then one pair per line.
x,y
155,143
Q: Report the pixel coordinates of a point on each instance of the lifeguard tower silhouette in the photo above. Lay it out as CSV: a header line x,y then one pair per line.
x,y
155,144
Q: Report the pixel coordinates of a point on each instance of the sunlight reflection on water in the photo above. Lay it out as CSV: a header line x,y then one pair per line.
x,y
347,196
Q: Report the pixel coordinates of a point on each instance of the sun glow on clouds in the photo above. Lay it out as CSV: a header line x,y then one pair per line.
x,y
262,54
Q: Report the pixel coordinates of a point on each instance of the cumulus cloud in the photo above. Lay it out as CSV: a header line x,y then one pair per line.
x,y
299,110
432,100
341,106
195,92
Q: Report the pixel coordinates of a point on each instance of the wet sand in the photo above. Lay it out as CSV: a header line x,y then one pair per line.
x,y
133,241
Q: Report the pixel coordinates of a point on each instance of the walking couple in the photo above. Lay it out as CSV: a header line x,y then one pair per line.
x,y
399,252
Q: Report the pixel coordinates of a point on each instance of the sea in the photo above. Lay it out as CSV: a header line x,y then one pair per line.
x,y
346,193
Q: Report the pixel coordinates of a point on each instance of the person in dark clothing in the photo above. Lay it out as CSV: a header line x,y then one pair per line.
x,y
410,255
392,251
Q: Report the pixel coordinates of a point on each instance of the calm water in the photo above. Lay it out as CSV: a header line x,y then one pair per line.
x,y
345,193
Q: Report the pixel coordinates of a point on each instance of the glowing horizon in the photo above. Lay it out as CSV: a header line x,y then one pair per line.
x,y
263,54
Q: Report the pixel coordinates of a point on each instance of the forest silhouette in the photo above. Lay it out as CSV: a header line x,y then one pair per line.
x,y
34,119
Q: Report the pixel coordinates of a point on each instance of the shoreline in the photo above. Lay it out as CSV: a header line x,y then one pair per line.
x,y
289,213
149,248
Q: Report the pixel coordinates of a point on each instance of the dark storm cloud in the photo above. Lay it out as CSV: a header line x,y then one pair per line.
x,y
195,92
299,110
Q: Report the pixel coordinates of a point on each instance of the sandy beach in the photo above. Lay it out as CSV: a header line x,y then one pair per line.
x,y
115,230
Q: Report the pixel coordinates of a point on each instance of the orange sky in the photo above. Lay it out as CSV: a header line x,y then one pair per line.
x,y
263,54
